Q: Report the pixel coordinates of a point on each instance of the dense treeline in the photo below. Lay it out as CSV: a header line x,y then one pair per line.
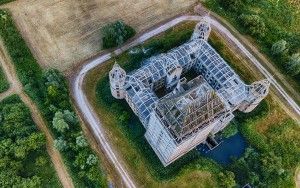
x,y
115,34
50,91
4,85
274,25
23,158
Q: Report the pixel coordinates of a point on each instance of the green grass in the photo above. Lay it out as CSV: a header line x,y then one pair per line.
x,y
4,85
46,172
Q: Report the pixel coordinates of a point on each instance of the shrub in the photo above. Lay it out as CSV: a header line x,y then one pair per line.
x,y
293,65
115,34
279,47
232,5
253,24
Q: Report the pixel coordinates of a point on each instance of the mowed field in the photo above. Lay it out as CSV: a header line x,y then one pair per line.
x,y
62,33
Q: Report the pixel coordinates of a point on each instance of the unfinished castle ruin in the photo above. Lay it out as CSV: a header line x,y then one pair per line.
x,y
192,110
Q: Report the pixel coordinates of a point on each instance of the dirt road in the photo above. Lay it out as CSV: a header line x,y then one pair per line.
x,y
16,88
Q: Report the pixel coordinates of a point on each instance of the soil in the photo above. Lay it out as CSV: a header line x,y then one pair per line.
x,y
64,33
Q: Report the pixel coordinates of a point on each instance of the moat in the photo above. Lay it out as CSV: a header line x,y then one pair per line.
x,y
232,147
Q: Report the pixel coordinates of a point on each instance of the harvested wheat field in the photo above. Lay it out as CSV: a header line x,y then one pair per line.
x,y
62,33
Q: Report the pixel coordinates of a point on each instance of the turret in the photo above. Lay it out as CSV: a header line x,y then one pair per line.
x,y
257,91
202,29
117,77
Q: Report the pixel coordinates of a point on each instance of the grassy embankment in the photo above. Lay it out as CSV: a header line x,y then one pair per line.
x,y
24,160
4,85
48,89
281,20
262,128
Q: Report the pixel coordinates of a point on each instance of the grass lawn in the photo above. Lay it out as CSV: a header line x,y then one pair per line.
x,y
192,169
4,85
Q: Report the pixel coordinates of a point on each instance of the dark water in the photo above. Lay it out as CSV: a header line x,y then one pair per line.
x,y
233,146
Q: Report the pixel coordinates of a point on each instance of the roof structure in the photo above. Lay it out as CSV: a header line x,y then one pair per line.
x,y
192,108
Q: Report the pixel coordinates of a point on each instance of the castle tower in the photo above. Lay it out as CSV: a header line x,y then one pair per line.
x,y
202,29
257,92
117,77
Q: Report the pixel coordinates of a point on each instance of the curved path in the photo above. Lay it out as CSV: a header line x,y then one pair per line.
x,y
91,117
16,88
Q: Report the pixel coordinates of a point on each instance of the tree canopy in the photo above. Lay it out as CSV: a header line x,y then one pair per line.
x,y
253,23
279,47
293,65
115,34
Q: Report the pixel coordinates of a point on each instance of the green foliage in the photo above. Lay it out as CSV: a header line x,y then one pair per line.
x,y
81,141
279,47
59,123
4,85
69,138
26,66
227,179
254,24
231,5
293,65
115,34
60,144
230,130
22,149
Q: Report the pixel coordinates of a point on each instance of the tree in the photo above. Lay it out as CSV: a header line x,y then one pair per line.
x,y
70,117
60,144
227,179
115,34
91,160
279,47
232,5
40,161
59,123
293,65
254,24
81,141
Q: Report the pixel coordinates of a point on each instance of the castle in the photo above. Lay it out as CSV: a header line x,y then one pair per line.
x,y
192,110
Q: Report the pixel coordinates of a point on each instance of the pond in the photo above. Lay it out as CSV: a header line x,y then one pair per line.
x,y
233,146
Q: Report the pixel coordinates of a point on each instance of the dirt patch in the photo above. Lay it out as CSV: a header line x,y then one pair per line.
x,y
62,33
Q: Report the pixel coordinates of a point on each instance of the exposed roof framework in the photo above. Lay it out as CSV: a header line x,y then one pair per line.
x,y
193,108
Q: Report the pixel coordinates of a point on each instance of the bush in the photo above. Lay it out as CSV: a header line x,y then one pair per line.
x,y
279,47
254,24
231,5
293,65
115,34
